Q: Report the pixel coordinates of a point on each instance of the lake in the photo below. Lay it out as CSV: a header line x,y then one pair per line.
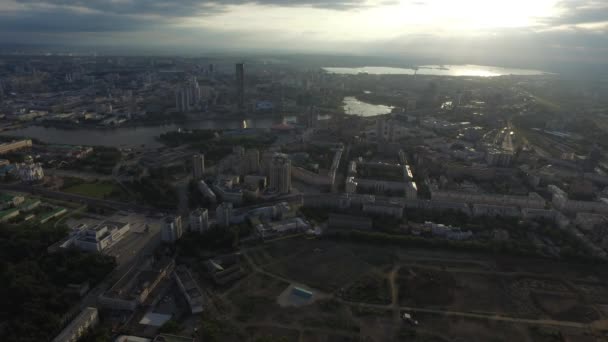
x,y
438,70
352,106
128,136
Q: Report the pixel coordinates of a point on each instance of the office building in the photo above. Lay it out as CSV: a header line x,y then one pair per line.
x,y
198,166
280,173
171,229
240,86
199,220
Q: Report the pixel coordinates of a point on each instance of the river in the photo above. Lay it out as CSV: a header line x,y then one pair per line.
x,y
129,136
439,70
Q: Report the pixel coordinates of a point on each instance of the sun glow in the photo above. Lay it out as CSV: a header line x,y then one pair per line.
x,y
378,21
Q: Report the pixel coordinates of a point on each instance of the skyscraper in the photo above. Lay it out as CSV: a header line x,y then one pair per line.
x,y
240,86
198,166
280,173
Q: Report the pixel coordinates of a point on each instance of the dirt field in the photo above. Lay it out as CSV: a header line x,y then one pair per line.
x,y
454,296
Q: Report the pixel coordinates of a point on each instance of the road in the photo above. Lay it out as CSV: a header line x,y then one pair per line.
x,y
88,176
77,198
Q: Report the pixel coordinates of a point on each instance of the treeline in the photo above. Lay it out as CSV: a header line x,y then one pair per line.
x,y
34,282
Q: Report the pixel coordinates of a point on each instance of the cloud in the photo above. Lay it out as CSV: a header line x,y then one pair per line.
x,y
580,12
183,8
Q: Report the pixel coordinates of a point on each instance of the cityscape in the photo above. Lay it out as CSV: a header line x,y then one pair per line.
x,y
149,197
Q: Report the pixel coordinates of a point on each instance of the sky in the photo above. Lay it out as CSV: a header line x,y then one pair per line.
x,y
510,32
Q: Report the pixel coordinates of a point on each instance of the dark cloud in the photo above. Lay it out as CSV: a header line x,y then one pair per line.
x,y
577,12
184,8
60,20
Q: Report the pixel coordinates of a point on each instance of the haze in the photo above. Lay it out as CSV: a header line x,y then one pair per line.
x,y
513,32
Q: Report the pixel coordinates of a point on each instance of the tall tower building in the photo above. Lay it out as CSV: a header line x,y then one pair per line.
x,y
280,173
240,86
171,229
198,166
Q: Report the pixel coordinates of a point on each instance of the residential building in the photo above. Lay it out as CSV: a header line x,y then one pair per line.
x,y
199,220
171,229
206,192
280,173
223,214
198,166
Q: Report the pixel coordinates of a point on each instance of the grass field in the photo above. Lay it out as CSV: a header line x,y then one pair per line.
x,y
96,190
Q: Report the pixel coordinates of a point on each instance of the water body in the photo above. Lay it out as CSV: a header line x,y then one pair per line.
x,y
352,106
128,136
438,70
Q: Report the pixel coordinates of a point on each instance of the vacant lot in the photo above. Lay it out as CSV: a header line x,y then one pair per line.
x,y
371,288
321,266
97,190
358,276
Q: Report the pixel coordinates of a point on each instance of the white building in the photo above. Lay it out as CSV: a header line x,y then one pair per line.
x,y
199,220
171,229
30,171
100,237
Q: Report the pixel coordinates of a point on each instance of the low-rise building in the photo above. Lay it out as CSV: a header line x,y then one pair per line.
x,y
79,326
102,236
533,200
495,210
15,145
384,208
206,192
190,289
225,269
134,288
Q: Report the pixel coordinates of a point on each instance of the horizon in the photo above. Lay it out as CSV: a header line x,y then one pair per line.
x,y
547,32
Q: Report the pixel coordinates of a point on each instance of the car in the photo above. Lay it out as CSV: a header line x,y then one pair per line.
x,y
407,317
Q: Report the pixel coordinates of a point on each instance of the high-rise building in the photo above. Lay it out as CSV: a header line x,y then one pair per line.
x,y
593,158
199,220
311,118
223,214
251,161
280,173
240,86
171,229
188,96
198,166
